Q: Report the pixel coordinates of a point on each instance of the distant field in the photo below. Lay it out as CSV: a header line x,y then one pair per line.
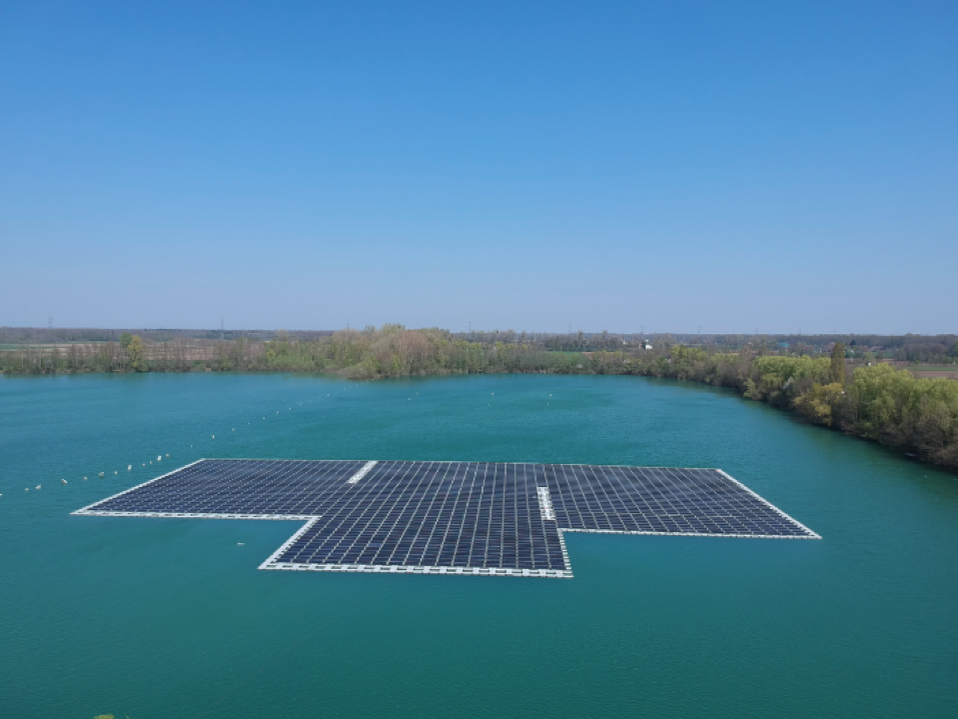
x,y
946,372
44,345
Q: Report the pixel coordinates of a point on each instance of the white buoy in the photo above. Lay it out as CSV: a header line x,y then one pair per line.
x,y
27,489
159,458
84,479
102,474
241,544
167,455
128,468
64,481
38,486
115,472
213,436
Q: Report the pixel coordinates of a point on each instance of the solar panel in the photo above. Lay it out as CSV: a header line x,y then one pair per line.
x,y
452,517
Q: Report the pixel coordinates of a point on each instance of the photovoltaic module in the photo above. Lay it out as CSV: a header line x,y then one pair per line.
x,y
479,518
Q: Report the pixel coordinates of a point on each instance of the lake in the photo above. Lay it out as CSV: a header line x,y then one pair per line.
x,y
152,617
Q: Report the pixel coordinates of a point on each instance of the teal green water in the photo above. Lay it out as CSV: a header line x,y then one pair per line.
x,y
170,618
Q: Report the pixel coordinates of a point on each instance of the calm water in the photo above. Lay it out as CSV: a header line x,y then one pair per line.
x,y
166,618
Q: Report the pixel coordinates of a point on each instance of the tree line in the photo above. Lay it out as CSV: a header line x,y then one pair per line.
x,y
903,348
874,401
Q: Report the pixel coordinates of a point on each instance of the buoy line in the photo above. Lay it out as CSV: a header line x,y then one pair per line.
x,y
159,458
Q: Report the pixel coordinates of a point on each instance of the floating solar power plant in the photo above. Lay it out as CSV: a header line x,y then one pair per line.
x,y
452,517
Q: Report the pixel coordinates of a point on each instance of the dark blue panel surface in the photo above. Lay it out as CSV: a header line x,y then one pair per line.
x,y
238,486
658,499
434,514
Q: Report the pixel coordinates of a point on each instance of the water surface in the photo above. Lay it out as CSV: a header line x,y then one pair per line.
x,y
169,617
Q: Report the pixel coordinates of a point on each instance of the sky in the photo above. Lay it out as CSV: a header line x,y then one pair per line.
x,y
666,167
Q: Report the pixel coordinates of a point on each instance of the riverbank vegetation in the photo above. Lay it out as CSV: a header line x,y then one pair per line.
x,y
840,389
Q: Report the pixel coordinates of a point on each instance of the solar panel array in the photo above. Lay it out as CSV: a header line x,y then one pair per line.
x,y
452,517
235,489
458,515
661,500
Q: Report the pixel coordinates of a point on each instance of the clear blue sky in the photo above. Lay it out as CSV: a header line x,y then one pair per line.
x,y
734,166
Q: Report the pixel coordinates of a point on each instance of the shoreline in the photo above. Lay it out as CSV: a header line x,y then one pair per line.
x,y
951,466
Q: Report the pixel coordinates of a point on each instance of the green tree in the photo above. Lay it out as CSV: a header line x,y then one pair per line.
x,y
125,340
817,404
953,352
837,371
135,352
